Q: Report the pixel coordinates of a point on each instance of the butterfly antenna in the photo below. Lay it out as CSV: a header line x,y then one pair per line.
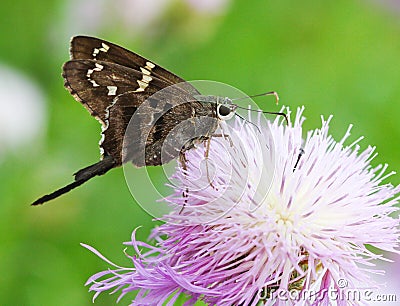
x,y
269,93
264,112
81,177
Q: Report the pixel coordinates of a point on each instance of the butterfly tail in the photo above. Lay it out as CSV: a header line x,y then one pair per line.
x,y
81,177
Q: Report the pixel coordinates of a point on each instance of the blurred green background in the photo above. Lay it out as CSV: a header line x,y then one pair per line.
x,y
335,57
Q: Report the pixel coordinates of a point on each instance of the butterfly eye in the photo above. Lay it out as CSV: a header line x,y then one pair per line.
x,y
224,112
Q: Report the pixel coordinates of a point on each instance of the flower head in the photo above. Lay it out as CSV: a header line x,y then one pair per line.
x,y
260,218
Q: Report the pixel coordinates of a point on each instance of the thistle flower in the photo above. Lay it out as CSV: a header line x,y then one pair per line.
x,y
254,238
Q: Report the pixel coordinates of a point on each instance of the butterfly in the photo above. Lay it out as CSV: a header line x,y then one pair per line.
x,y
148,115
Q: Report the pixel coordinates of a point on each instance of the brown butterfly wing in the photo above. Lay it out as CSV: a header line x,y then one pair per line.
x,y
112,83
156,131
85,47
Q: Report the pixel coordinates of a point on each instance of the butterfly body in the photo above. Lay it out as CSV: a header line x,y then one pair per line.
x,y
148,115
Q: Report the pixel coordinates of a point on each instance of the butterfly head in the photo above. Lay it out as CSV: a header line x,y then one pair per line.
x,y
225,109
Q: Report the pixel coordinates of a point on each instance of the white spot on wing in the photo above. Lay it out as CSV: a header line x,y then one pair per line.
x,y
112,90
94,83
95,52
145,71
89,73
102,139
146,78
104,48
150,65
142,86
140,89
106,124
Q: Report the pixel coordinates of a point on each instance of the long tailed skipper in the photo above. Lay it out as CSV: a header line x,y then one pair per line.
x,y
115,85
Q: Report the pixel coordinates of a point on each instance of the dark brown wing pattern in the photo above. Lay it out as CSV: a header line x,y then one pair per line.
x,y
112,83
96,84
85,47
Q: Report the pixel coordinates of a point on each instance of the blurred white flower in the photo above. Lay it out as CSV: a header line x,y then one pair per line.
x,y
94,15
209,6
141,13
86,16
137,17
22,112
391,5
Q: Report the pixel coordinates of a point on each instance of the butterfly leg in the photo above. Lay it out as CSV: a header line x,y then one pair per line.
x,y
185,193
298,158
225,136
206,154
183,160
